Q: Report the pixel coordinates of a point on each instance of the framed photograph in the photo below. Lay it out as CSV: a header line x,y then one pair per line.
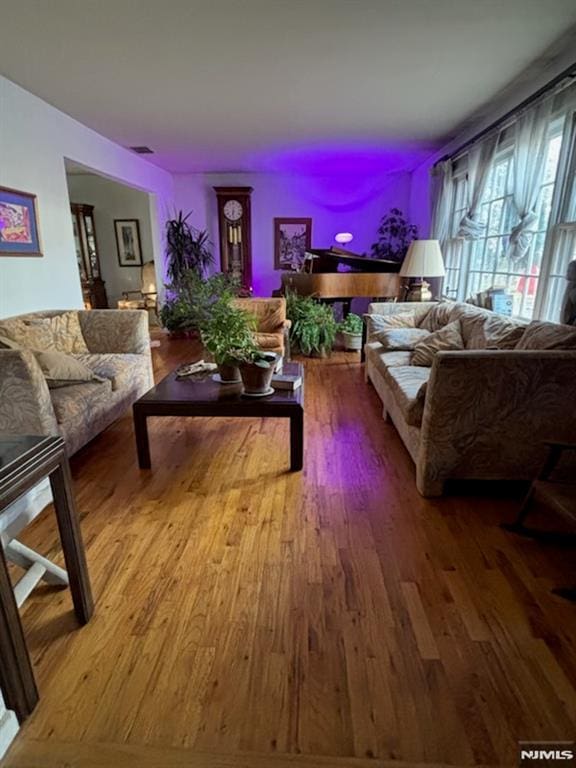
x,y
19,234
292,238
128,242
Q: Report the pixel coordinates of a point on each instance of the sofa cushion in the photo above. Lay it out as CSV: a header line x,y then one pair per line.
x,y
408,385
447,338
6,343
542,335
80,403
125,371
381,359
59,333
271,341
61,370
377,323
438,316
485,330
394,339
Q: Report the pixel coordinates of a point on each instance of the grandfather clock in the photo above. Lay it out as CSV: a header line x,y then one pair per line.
x,y
235,227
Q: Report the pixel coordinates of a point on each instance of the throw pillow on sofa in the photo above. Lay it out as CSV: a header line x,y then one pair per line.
x,y
438,316
376,323
398,339
60,333
485,330
447,338
61,370
542,335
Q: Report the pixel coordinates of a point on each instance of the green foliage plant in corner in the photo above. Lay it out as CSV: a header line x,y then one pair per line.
x,y
314,327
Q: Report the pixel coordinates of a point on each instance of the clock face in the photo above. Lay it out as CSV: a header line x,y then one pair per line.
x,y
233,210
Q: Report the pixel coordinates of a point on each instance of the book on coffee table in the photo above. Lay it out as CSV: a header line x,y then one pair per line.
x,y
286,381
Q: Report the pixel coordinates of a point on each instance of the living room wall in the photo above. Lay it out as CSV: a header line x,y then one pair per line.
x,y
35,139
346,203
114,201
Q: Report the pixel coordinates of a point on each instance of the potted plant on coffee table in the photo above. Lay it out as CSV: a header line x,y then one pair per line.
x,y
227,333
351,330
256,369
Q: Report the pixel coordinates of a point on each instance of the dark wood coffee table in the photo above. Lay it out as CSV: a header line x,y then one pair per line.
x,y
189,397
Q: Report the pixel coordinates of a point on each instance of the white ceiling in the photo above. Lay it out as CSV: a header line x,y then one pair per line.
x,y
223,85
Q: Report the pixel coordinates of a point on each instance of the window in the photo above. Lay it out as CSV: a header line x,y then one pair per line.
x,y
453,247
537,282
564,252
476,265
563,236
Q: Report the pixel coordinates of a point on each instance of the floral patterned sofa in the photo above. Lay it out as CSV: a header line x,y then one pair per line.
x,y
482,411
113,343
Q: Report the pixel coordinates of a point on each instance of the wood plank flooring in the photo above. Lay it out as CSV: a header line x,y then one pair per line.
x,y
333,612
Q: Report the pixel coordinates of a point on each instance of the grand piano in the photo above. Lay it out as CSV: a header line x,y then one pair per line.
x,y
334,274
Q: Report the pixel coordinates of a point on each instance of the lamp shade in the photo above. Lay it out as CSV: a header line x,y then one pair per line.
x,y
424,259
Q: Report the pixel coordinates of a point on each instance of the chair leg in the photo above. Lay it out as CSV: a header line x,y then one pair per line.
x,y
26,558
518,524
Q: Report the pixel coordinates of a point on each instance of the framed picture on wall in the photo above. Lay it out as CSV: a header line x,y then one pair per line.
x,y
128,242
292,238
19,234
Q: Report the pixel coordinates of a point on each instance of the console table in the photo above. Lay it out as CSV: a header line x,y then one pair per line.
x,y
24,461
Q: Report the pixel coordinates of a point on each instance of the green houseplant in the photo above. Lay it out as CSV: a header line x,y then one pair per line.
x,y
256,369
227,333
351,330
188,302
186,247
314,328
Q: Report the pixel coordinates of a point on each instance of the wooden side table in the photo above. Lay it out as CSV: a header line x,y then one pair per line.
x,y
24,461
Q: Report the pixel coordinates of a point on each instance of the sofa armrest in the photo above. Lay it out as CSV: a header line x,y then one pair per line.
x,y
25,404
488,413
116,330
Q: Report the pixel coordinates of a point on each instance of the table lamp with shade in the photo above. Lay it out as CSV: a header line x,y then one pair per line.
x,y
424,259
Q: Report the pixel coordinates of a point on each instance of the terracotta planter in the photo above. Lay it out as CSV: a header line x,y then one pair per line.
x,y
184,334
256,379
229,374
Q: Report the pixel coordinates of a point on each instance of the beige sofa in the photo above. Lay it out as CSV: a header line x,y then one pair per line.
x,y
485,412
118,345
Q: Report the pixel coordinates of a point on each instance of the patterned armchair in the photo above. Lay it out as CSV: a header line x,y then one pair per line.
x,y
272,325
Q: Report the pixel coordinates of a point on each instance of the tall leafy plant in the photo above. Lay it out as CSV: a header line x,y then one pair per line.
x,y
186,247
189,300
394,236
314,328
227,333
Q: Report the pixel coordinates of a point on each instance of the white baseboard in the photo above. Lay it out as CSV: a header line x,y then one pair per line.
x,y
8,727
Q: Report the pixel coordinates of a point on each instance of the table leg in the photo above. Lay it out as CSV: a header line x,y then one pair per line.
x,y
142,444
297,440
16,675
72,545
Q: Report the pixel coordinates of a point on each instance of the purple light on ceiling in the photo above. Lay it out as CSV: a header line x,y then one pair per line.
x,y
344,158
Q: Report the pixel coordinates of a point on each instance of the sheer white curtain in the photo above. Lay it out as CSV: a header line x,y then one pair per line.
x,y
480,159
530,147
442,201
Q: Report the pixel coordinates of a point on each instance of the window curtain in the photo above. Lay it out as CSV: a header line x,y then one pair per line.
x,y
442,201
530,144
480,159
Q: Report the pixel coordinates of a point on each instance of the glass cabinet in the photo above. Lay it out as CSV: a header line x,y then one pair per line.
x,y
93,287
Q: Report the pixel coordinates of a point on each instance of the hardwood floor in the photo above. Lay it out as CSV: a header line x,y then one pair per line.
x,y
333,612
